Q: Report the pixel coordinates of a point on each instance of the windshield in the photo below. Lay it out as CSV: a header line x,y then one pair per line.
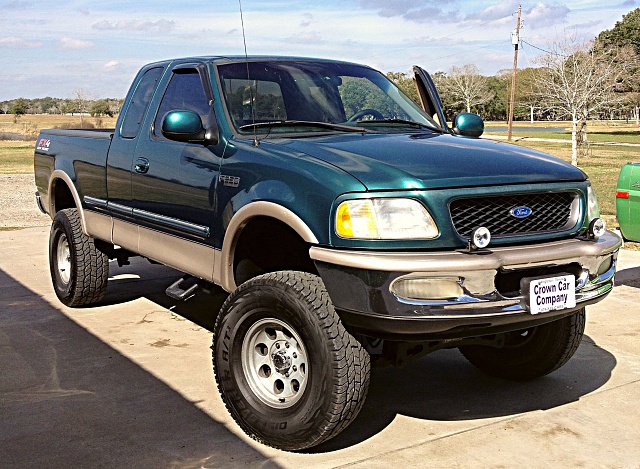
x,y
279,96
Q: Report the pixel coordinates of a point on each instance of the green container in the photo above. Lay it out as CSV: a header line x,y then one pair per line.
x,y
628,201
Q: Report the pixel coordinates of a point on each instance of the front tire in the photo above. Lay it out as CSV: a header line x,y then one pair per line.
x,y
79,271
287,370
530,353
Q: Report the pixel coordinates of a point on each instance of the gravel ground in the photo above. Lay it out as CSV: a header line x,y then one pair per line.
x,y
18,206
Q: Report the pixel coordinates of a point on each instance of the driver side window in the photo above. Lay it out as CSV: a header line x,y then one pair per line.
x,y
184,93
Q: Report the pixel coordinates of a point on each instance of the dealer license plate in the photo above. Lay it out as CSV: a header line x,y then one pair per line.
x,y
549,293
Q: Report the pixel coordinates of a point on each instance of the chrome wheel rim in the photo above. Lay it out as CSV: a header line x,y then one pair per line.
x,y
63,258
274,362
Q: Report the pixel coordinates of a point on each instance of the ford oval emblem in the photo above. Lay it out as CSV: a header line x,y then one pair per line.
x,y
521,212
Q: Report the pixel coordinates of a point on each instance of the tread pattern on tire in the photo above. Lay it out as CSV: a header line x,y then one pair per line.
x,y
561,340
89,284
351,362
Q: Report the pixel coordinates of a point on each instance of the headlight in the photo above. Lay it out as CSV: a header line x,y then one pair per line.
x,y
384,219
593,210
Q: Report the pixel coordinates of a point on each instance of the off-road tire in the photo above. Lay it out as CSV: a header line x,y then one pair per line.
x,y
289,373
530,353
79,271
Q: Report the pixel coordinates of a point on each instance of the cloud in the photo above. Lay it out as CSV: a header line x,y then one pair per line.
x,y
112,64
544,15
418,11
74,44
389,9
431,15
628,3
307,37
426,11
16,5
495,12
308,18
160,26
13,42
588,25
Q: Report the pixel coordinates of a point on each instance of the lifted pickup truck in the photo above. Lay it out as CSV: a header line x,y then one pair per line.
x,y
348,225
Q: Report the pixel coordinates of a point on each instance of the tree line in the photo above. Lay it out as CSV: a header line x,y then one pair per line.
x,y
106,107
575,81
601,75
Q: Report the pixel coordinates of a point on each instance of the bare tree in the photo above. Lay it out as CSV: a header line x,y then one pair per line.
x,y
465,86
81,104
578,80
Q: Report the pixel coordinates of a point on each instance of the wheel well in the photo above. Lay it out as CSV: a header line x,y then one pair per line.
x,y
268,245
62,197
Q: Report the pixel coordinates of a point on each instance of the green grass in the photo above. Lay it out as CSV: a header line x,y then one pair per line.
x,y
597,131
16,157
602,166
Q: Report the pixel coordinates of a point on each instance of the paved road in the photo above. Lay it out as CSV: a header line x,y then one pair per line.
x,y
129,384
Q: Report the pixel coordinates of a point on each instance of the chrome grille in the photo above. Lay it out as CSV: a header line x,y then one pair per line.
x,y
550,212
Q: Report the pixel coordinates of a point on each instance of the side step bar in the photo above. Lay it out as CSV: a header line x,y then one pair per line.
x,y
183,288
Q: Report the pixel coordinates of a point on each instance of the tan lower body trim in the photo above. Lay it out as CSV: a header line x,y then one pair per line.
x,y
186,256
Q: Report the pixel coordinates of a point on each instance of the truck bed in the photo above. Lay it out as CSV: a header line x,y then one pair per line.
x,y
79,153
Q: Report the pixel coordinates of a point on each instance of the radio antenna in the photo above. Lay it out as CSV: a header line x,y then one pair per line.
x,y
246,57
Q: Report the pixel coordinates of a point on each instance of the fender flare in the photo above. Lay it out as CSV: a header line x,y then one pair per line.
x,y
242,217
56,176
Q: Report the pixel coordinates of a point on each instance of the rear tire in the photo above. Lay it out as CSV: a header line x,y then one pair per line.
x,y
287,370
530,353
79,271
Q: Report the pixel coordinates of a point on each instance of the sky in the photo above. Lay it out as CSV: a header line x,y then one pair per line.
x,y
58,48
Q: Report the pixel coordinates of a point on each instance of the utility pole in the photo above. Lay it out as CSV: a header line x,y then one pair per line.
x,y
515,40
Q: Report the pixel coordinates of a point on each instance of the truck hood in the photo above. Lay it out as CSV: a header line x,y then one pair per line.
x,y
434,161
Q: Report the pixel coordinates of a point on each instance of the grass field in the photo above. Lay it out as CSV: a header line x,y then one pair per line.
x,y
17,139
29,125
16,157
602,162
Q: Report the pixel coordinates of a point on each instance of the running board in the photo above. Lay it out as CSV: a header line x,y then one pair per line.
x,y
181,292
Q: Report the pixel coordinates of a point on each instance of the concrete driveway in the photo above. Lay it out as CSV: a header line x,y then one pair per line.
x,y
129,384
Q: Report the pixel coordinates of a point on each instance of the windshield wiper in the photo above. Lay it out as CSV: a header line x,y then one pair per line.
x,y
296,123
404,122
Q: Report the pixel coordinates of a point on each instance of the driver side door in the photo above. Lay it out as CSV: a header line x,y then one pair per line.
x,y
174,183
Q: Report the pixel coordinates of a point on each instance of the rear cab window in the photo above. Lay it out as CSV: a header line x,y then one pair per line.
x,y
137,108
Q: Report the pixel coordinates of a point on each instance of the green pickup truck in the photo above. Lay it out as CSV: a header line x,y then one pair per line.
x,y
348,225
628,201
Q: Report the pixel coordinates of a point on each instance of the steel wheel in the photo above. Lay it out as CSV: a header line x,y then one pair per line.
x,y
64,259
274,362
79,271
288,371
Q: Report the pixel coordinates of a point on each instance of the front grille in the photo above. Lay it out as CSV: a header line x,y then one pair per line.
x,y
550,212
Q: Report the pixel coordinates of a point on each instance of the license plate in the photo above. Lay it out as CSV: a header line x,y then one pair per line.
x,y
549,293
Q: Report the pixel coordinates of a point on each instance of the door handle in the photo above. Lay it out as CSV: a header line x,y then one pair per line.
x,y
141,166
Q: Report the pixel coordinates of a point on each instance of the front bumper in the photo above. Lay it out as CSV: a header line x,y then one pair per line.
x,y
362,286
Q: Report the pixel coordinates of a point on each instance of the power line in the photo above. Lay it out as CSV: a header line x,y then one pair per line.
x,y
501,41
536,47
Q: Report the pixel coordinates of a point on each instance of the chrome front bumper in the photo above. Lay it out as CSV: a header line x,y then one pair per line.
x,y
362,284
